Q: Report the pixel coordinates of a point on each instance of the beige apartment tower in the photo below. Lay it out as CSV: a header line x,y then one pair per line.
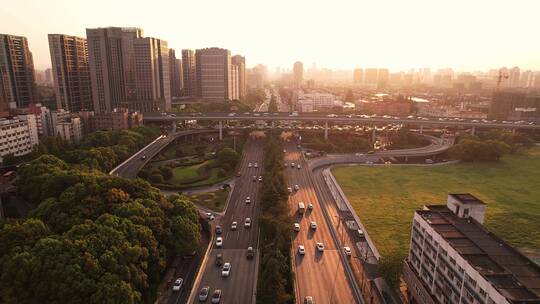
x,y
17,78
240,62
175,73
214,73
112,66
69,58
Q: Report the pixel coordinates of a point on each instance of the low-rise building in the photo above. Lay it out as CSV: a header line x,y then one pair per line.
x,y
118,119
396,108
309,102
70,130
18,135
454,259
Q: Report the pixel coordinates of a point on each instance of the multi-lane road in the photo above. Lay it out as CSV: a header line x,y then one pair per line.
x,y
321,275
240,286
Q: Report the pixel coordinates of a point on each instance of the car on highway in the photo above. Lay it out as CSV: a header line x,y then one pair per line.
x,y
218,229
247,222
254,178
248,200
285,165
203,294
233,225
250,253
216,296
284,151
238,174
331,115
250,165
301,207
289,189
296,187
143,157
301,250
226,270
296,227
178,284
219,241
298,167
232,114
210,216
293,165
256,165
347,251
313,225
320,246
308,300
260,178
310,206
219,259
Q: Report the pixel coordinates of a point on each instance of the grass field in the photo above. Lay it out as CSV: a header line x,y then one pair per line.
x,y
212,200
183,175
385,198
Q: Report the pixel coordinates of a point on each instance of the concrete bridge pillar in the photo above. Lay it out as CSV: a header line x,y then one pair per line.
x,y
326,130
220,130
513,131
421,128
374,134
272,124
473,130
174,126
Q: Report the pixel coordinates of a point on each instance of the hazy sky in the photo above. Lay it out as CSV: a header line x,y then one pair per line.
x,y
400,34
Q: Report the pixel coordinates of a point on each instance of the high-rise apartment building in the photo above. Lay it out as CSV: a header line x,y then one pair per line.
x,y
189,73
382,76
71,74
514,77
175,73
112,66
240,62
17,78
358,76
152,80
454,259
298,72
214,73
371,76
235,82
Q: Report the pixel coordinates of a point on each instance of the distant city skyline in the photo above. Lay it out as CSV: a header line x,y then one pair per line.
x,y
397,35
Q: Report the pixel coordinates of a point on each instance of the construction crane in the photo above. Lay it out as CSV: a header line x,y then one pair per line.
x,y
500,78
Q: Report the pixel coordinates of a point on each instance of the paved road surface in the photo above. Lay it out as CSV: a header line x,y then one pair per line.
x,y
240,286
320,275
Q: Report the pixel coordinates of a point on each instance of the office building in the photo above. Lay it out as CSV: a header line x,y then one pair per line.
x,y
214,73
514,106
189,73
69,58
17,78
112,66
240,62
358,76
371,76
175,74
235,82
18,135
152,81
454,259
298,72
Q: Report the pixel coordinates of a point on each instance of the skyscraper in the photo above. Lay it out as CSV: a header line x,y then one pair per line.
x,y
175,73
69,58
513,77
298,71
358,76
235,85
189,73
17,77
240,62
112,66
152,79
371,76
214,73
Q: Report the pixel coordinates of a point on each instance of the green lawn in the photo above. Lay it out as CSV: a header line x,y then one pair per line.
x,y
385,198
212,200
185,173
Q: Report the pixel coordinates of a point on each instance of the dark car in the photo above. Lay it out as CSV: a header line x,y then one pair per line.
x,y
219,259
218,229
250,253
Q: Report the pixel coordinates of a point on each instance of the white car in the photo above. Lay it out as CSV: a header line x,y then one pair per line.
x,y
219,241
320,247
210,216
292,165
233,225
248,200
226,270
260,178
285,164
247,222
296,187
256,165
232,114
203,294
250,165
301,250
296,227
289,189
313,225
331,115
299,167
347,251
178,284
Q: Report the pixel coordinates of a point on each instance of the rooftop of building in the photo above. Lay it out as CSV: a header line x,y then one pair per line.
x,y
515,276
467,199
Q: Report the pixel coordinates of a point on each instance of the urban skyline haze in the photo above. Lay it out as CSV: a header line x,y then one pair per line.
x,y
398,35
